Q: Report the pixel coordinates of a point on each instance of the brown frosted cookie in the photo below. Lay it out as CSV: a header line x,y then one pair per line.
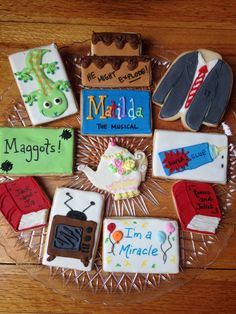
x,y
115,71
116,44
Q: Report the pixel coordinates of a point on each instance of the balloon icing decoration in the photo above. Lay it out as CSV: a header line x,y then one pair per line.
x,y
170,228
116,236
162,237
111,227
140,245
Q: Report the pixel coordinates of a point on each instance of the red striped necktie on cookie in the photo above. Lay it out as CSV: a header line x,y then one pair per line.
x,y
196,85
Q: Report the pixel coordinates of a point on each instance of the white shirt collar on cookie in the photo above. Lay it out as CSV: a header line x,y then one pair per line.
x,y
201,62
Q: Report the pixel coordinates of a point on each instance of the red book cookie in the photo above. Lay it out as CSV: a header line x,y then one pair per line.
x,y
197,206
24,204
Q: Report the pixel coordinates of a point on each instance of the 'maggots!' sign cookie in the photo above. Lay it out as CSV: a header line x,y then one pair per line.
x,y
31,151
116,112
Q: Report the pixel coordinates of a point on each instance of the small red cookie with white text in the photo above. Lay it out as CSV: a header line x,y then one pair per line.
x,y
197,206
24,204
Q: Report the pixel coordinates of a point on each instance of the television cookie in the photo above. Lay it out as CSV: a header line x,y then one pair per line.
x,y
140,245
43,84
196,89
24,204
116,44
190,156
119,172
36,151
116,112
197,206
116,71
74,229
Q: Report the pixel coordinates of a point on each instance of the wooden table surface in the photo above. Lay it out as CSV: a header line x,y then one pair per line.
x,y
165,25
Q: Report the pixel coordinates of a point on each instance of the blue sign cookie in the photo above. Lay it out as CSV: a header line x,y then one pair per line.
x,y
116,112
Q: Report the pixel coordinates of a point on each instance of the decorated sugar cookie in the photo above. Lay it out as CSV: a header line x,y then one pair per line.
x,y
116,112
116,44
24,204
74,229
196,88
116,71
190,156
36,151
43,84
119,172
197,206
140,245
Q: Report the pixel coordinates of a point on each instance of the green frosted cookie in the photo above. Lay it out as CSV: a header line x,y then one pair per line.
x,y
36,151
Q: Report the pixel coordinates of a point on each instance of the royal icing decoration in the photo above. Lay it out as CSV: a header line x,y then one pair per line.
x,y
196,88
190,156
140,245
116,112
43,83
197,206
115,71
36,151
24,204
119,172
74,229
116,44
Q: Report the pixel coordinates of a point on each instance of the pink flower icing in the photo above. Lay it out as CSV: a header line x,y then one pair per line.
x,y
117,162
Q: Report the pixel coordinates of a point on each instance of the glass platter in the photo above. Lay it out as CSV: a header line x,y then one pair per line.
x,y
197,251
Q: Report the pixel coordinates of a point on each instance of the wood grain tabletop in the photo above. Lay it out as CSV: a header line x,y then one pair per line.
x,y
166,27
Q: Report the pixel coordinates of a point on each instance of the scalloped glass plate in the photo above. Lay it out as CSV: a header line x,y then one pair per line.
x,y
197,251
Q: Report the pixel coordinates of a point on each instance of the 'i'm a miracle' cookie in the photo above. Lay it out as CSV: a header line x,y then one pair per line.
x,y
140,245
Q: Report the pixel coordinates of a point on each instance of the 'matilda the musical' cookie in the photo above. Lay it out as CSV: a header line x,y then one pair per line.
x,y
118,112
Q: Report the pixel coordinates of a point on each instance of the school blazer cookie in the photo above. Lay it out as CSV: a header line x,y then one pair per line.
x,y
208,105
